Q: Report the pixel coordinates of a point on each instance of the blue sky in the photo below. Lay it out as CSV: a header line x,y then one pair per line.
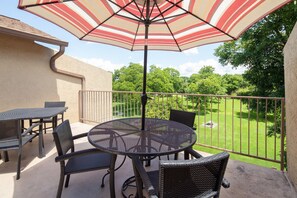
x,y
110,57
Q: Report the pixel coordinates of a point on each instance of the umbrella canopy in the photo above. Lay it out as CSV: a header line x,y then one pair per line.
x,y
173,25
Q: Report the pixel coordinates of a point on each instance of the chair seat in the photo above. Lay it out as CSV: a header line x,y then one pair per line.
x,y
88,162
14,143
13,137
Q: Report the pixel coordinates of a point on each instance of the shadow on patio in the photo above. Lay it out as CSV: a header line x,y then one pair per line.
x,y
39,177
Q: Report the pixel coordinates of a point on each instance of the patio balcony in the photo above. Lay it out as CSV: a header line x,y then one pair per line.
x,y
40,177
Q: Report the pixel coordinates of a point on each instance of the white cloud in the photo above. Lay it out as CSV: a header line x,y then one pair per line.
x,y
191,51
189,68
185,69
101,63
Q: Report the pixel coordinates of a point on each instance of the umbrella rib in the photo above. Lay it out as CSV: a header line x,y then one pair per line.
x,y
169,17
154,5
134,40
169,28
172,5
140,11
137,29
201,19
121,8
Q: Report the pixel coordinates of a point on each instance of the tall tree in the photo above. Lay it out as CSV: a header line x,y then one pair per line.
x,y
175,79
159,81
128,78
233,82
206,82
260,49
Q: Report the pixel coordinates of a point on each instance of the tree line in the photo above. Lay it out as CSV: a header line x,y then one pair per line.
x,y
168,80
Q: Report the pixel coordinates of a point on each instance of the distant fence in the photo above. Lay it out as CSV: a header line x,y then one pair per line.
x,y
249,126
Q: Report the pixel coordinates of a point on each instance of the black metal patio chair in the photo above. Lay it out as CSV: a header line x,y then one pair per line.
x,y
184,117
202,177
72,161
13,137
51,120
60,117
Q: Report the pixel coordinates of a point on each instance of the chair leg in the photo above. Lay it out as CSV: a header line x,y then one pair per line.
x,y
138,180
5,156
148,163
67,181
44,128
19,164
61,182
111,176
186,155
175,156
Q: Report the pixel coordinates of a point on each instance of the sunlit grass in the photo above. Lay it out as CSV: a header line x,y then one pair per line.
x,y
237,128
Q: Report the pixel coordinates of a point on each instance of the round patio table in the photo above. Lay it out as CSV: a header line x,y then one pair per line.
x,y
125,137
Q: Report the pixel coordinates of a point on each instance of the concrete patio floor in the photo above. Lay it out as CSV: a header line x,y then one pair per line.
x,y
40,177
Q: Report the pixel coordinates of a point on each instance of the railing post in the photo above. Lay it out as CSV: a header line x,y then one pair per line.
x,y
80,106
282,134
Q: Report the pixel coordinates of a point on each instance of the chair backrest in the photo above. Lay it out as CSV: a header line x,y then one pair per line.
x,y
191,178
54,104
184,117
9,129
63,138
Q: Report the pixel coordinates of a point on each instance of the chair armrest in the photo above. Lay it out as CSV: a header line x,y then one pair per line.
x,y
76,154
193,153
30,128
79,136
144,177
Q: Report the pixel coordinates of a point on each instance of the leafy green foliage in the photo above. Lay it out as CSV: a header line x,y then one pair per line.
x,y
128,78
168,80
159,81
233,83
260,49
206,82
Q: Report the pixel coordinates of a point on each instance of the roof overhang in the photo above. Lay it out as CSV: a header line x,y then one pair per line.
x,y
32,37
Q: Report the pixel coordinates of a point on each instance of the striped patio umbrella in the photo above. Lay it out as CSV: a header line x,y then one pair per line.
x,y
173,25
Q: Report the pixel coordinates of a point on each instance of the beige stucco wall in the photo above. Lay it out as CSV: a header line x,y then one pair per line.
x,y
26,79
291,104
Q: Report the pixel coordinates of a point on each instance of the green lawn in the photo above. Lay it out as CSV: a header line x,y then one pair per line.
x,y
236,128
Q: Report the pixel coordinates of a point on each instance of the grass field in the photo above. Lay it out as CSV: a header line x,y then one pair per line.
x,y
239,130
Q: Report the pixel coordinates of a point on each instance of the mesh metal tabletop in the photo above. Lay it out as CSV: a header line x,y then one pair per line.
x,y
124,136
31,113
34,113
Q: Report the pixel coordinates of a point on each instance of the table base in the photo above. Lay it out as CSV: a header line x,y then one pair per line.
x,y
130,182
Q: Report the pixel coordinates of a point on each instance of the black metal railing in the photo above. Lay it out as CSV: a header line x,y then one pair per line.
x,y
249,126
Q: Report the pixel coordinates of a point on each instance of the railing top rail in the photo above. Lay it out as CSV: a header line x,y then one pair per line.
x,y
189,94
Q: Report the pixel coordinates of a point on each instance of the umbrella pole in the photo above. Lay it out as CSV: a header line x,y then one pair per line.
x,y
144,95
